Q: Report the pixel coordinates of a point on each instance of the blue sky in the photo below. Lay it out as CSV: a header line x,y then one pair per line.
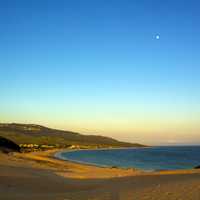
x,y
97,67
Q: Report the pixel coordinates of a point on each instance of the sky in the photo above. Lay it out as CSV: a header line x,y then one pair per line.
x,y
120,68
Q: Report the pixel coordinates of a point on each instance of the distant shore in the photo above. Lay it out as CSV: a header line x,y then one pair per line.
x,y
39,175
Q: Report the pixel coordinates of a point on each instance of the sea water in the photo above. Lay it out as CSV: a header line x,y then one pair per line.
x,y
153,158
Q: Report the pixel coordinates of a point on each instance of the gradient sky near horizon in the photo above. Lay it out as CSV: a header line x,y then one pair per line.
x,y
98,67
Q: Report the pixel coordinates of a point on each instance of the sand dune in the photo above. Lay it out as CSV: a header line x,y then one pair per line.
x,y
39,176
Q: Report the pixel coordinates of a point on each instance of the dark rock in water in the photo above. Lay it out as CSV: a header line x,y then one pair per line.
x,y
197,167
7,146
114,167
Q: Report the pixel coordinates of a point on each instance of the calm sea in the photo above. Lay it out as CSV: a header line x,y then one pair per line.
x,y
155,158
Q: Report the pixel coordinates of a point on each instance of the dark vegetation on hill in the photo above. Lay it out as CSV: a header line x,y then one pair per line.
x,y
36,134
7,146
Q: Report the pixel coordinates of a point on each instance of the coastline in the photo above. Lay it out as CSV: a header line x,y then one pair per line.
x,y
39,175
133,171
49,160
57,155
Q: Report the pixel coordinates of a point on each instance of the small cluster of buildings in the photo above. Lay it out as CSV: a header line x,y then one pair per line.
x,y
36,147
42,147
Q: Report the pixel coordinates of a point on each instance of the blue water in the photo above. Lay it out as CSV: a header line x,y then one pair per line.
x,y
156,158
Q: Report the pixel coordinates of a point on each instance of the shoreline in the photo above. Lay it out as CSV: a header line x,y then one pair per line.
x,y
51,154
141,172
57,155
39,175
60,157
77,170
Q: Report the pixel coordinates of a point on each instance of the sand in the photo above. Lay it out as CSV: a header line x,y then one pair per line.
x,y
39,176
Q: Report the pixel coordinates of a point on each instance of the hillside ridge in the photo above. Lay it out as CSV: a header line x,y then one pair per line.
x,y
38,134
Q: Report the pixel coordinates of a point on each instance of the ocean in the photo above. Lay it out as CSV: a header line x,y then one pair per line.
x,y
149,159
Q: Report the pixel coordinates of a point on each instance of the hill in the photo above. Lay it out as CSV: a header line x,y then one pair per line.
x,y
40,135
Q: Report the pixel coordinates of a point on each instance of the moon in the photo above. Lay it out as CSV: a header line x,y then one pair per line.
x,y
157,37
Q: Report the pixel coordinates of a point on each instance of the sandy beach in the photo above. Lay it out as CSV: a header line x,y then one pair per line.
x,y
40,176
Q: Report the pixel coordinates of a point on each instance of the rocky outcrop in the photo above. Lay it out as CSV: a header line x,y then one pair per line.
x,y
7,146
